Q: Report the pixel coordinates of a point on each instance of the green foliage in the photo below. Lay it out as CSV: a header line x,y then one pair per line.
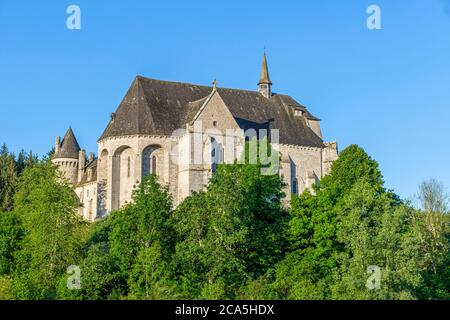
x,y
10,169
150,277
350,224
373,228
352,165
100,276
11,234
8,179
230,234
234,240
6,288
128,253
142,239
53,230
140,224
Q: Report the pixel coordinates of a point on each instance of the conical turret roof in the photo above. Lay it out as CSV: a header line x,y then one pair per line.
x,y
69,147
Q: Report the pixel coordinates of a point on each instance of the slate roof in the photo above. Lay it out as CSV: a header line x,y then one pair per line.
x,y
156,107
69,147
92,166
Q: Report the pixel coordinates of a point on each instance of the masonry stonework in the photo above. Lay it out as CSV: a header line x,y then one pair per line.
x,y
180,132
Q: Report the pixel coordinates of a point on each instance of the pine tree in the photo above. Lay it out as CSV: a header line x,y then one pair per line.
x,y
8,179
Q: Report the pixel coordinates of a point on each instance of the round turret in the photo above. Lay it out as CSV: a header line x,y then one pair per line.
x,y
67,156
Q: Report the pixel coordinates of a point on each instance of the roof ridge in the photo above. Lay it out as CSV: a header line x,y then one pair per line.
x,y
194,84
169,105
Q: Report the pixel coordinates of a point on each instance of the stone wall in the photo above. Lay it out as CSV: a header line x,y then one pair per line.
x,y
69,168
123,159
88,197
330,154
300,165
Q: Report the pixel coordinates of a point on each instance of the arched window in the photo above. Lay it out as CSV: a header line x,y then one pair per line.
x,y
154,165
152,160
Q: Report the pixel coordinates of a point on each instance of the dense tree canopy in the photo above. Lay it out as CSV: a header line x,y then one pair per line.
x,y
352,225
348,238
231,233
10,170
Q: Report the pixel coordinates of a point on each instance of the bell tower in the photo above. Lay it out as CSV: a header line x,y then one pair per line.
x,y
264,84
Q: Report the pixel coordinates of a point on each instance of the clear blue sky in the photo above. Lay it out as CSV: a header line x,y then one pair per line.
x,y
387,90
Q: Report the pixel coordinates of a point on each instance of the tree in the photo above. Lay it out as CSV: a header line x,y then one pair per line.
x,y
432,240
53,231
230,234
100,276
11,234
8,179
6,288
372,230
128,254
10,170
307,272
145,227
433,197
352,226
25,160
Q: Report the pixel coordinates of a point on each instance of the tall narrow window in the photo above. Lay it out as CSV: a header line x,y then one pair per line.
x,y
217,154
213,160
294,186
151,156
154,165
128,167
214,155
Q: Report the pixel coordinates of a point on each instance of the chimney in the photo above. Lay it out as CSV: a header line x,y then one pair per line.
x,y
57,144
81,164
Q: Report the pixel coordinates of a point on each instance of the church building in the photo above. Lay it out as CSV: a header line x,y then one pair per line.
x,y
180,132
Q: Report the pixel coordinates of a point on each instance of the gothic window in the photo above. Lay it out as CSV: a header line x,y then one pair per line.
x,y
152,160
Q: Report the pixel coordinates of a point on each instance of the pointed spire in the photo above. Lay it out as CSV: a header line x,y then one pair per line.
x,y
69,147
264,84
215,83
264,79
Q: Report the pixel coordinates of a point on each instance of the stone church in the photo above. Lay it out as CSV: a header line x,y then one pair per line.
x,y
180,132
